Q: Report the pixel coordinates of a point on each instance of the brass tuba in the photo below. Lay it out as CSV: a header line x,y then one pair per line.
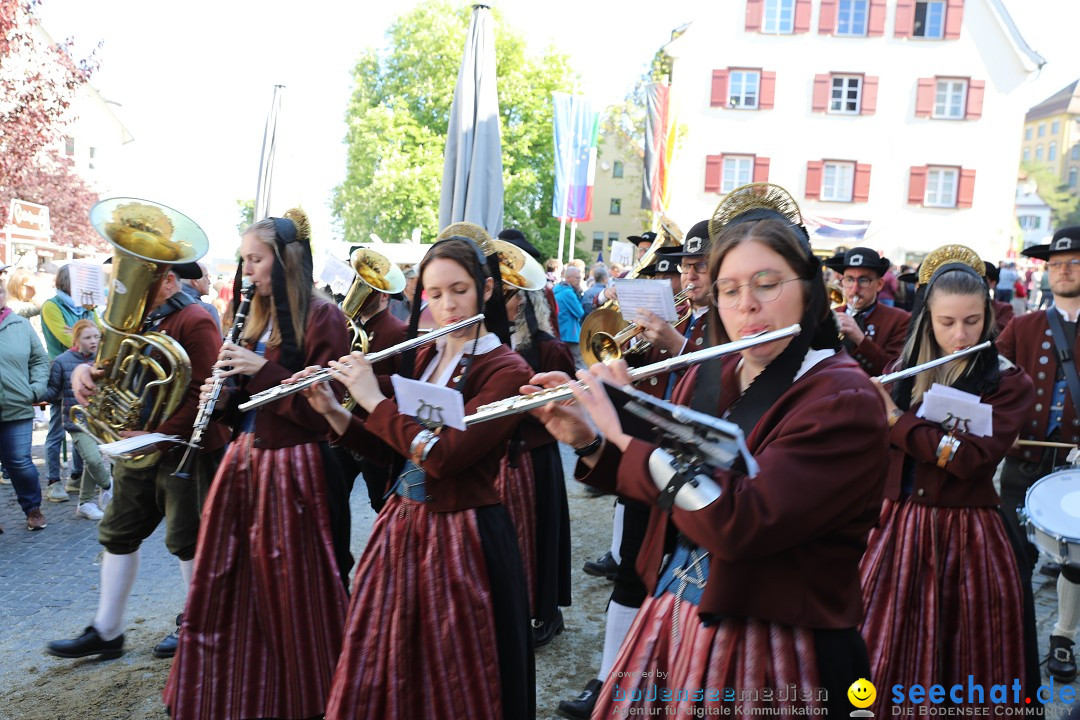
x,y
146,375
374,273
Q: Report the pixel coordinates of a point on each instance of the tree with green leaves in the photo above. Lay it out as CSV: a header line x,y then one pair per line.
x,y
1064,204
397,121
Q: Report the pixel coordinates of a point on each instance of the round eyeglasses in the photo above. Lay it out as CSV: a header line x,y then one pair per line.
x,y
764,287
862,282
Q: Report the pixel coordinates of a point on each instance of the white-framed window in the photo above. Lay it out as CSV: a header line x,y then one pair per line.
x,y
598,241
851,17
941,187
1051,151
1027,154
845,95
1027,133
1072,176
69,146
929,19
950,98
779,17
1054,127
617,169
1042,129
1030,222
744,88
738,171
1038,153
1075,154
838,181
613,237
616,206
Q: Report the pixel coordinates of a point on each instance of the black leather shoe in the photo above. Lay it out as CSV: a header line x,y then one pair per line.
x,y
87,644
1061,663
1050,569
167,647
543,633
582,706
604,566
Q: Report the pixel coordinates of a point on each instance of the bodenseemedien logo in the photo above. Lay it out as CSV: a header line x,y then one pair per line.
x,y
862,694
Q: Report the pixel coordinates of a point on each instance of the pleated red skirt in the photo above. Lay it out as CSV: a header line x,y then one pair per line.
x,y
265,614
517,490
422,640
943,599
728,663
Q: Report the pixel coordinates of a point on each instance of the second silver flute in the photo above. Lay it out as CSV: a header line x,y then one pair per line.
x,y
524,403
916,369
280,391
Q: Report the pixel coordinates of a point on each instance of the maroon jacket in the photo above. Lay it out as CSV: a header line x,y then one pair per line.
x,y
461,469
1028,343
968,479
384,330
1003,313
554,356
657,384
785,545
195,329
291,421
886,331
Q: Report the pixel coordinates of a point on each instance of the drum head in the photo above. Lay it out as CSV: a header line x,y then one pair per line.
x,y
1053,504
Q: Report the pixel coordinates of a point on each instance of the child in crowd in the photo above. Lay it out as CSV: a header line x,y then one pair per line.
x,y
87,336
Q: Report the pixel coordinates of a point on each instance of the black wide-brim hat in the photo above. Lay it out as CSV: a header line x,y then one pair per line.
x,y
646,238
664,264
697,241
859,257
1067,239
184,271
517,238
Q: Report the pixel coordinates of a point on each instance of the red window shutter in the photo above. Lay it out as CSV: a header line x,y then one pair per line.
x,y
754,11
768,90
821,92
905,18
802,16
875,23
714,172
924,98
965,189
869,95
917,185
719,88
954,19
861,191
976,89
813,179
827,19
761,169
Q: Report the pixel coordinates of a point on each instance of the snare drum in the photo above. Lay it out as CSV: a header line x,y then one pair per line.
x,y
1052,516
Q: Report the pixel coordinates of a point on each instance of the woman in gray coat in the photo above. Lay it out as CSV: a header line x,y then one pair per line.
x,y
24,377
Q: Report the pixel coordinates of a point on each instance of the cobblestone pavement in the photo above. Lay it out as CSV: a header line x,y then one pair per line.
x,y
49,584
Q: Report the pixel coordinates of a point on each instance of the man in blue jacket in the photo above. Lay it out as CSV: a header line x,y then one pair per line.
x,y
568,296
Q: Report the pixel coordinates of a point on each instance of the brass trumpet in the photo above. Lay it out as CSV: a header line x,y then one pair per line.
x,y
605,332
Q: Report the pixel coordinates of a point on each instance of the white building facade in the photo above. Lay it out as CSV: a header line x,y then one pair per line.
x,y
1033,215
892,112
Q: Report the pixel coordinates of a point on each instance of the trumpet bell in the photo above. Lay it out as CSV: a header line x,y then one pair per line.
x,y
598,332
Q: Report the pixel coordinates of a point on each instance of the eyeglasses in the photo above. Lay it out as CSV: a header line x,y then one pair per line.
x,y
700,267
1073,264
863,282
765,287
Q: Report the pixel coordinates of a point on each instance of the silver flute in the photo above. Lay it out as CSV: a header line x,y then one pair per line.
x,y
916,369
279,391
524,403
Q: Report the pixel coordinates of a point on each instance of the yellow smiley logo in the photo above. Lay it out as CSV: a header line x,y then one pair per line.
x,y
862,693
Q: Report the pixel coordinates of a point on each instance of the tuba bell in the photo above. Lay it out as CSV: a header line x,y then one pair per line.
x,y
146,374
374,273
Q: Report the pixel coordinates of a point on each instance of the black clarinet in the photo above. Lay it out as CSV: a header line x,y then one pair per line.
x,y
202,417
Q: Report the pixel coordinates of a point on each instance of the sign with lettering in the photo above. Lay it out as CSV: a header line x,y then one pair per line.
x,y
27,220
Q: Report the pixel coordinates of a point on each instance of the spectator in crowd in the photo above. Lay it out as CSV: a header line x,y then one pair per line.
x,y
58,316
616,270
195,289
21,291
1046,297
24,375
1007,278
905,288
568,297
600,282
887,295
552,269
400,306
87,336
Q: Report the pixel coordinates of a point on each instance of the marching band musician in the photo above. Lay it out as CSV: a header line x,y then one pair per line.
x,y
716,616
1032,342
941,547
1003,311
534,464
263,624
873,332
439,617
144,496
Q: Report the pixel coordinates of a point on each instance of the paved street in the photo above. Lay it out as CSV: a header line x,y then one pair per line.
x,y
48,590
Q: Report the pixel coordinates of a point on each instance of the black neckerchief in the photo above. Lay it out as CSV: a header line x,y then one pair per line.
x,y
179,301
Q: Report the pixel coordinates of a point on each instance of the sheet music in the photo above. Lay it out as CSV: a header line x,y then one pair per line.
x,y
944,404
431,405
622,253
87,283
138,442
652,295
336,273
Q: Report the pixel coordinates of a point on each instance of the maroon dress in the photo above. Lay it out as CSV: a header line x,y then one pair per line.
x,y
438,623
943,592
265,613
780,601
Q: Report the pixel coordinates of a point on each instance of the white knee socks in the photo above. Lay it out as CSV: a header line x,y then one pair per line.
x,y
187,567
117,577
619,620
616,531
1068,608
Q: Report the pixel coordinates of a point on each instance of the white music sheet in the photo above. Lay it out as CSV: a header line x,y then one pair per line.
x,y
652,295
